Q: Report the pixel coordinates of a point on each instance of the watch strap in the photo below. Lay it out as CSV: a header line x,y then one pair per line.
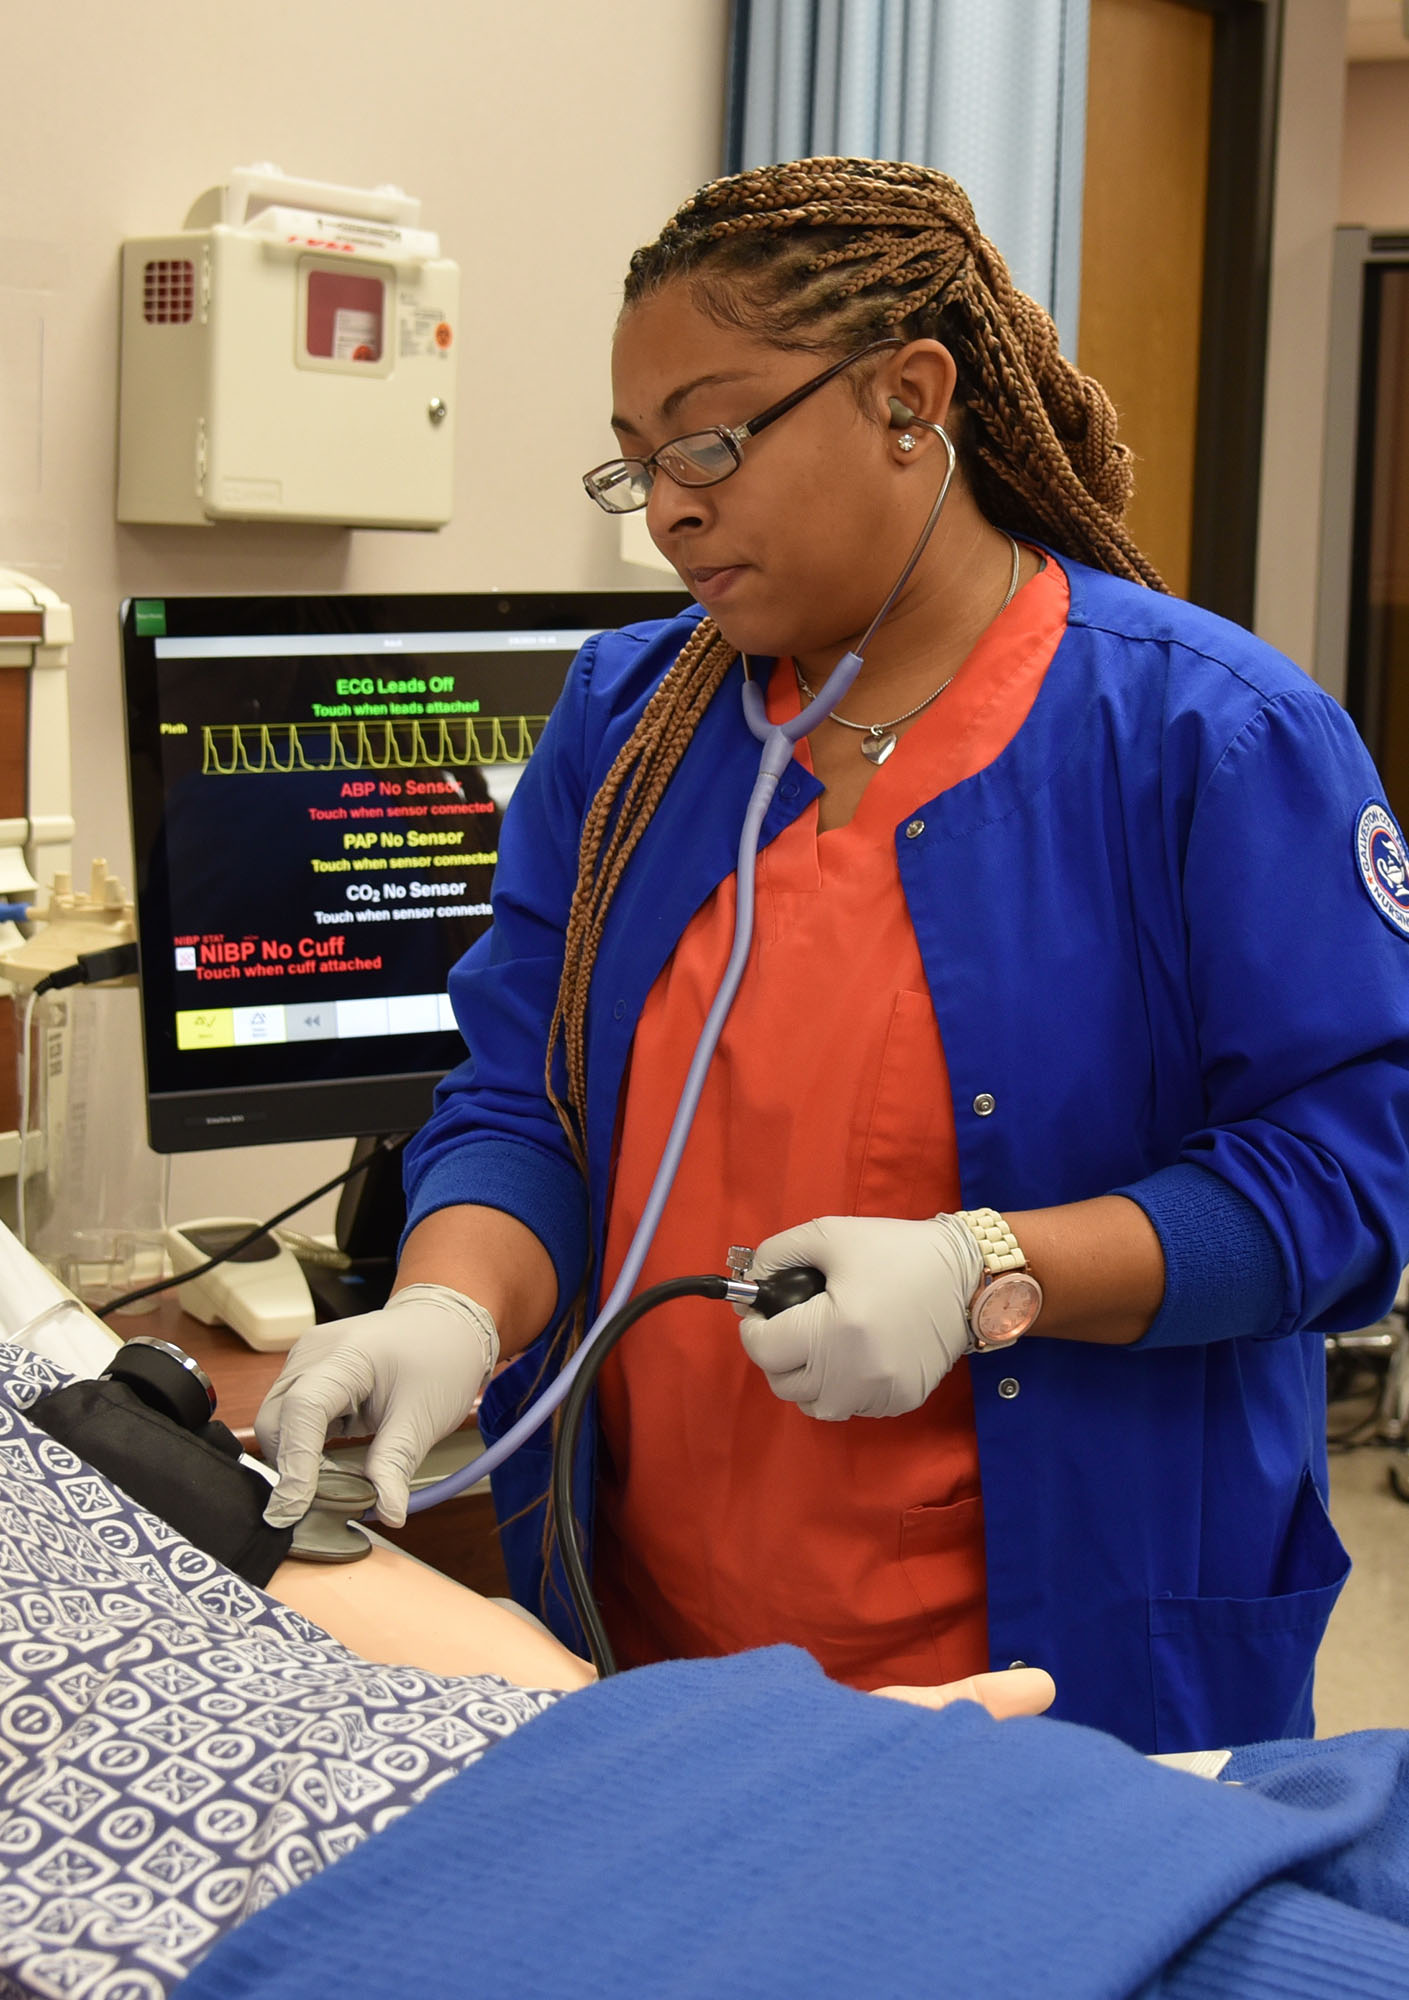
x,y
997,1244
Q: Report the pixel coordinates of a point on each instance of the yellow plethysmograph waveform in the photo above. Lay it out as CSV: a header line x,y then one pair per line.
x,y
236,749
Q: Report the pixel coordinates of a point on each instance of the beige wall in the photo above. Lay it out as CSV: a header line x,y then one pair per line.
x,y
1304,217
1374,187
546,138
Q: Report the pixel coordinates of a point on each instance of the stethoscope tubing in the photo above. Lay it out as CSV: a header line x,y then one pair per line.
x,y
777,754
778,741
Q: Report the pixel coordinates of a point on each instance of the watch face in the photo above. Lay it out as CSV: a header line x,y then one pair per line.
x,y
1007,1307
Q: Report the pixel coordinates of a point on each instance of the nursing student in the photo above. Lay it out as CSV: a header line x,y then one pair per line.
x,y
1073,1047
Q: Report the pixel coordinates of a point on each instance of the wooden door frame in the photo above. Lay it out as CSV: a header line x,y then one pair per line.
x,y
1380,252
1247,53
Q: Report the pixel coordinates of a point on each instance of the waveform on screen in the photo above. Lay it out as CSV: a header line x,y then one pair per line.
x,y
231,749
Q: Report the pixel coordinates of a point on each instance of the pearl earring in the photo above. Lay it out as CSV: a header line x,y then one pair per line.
x,y
905,441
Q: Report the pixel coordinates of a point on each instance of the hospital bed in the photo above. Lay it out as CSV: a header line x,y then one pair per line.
x,y
176,1748
182,1760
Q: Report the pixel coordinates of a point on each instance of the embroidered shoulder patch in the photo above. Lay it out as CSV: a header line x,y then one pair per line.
x,y
1383,861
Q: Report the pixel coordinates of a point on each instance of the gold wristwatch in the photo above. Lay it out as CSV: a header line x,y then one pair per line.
x,y
1008,1298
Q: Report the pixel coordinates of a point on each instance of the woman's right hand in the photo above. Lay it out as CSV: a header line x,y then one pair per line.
x,y
408,1375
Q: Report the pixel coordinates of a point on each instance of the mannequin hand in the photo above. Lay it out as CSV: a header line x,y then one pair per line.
x,y
890,1325
1013,1691
410,1374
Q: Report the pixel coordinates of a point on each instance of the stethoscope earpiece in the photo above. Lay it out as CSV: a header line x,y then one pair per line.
x,y
899,415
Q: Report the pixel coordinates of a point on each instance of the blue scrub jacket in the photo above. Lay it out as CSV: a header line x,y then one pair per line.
x,y
1148,942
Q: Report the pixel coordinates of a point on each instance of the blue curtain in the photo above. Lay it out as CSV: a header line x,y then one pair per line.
x,y
990,91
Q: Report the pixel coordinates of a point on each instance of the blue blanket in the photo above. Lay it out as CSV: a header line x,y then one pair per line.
x,y
745,1827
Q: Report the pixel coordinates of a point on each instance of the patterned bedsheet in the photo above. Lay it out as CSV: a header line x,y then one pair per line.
x,y
177,1749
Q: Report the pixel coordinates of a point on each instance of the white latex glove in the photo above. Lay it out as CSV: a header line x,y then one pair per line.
x,y
409,1374
890,1325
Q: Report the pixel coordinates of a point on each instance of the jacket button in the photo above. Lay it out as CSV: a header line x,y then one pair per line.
x,y
915,829
788,789
1008,1388
619,1011
985,1104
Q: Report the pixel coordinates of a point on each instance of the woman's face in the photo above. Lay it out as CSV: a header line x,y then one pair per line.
x,y
794,552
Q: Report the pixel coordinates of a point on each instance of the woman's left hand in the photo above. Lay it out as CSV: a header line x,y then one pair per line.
x,y
889,1327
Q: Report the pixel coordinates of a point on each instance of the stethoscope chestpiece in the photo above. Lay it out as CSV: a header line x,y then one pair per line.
x,y
328,1532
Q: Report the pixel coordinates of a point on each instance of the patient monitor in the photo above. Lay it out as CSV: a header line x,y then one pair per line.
x,y
318,784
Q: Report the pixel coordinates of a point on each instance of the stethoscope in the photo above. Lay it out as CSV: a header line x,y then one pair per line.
x,y
779,741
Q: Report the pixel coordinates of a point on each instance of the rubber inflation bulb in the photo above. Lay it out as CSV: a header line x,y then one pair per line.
x,y
788,1288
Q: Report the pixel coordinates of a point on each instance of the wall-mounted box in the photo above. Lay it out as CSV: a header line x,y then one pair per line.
x,y
290,355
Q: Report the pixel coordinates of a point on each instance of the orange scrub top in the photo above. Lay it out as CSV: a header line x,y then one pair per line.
x,y
725,1518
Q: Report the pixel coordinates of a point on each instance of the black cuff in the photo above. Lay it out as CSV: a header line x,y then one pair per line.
x,y
184,1477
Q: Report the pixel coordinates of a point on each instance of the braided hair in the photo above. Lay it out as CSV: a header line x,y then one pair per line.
x,y
835,253
826,255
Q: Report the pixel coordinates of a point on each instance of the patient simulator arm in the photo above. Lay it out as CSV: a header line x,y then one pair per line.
x,y
393,1609
1014,1691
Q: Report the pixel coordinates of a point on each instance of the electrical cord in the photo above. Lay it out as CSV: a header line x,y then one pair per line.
x,y
117,961
382,1146
773,1295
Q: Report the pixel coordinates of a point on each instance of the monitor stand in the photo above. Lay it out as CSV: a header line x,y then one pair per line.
x,y
370,1221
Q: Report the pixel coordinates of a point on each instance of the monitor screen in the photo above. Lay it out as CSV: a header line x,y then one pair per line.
x,y
317,787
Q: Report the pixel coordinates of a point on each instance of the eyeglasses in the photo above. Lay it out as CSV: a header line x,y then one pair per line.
x,y
700,458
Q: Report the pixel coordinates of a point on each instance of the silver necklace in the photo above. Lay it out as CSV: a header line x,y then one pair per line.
x,y
878,738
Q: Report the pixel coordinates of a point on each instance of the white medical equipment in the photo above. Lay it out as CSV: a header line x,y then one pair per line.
x,y
36,819
290,355
778,742
260,1292
38,1313
36,631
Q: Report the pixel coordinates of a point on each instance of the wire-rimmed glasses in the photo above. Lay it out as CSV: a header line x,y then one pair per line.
x,y
700,458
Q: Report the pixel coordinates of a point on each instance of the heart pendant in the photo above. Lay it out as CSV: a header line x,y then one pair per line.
x,y
876,748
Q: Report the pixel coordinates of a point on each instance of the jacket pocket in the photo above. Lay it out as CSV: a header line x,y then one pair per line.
x,y
1230,1670
907,1113
942,1556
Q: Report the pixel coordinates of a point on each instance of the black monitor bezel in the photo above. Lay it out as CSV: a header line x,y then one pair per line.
x,y
192,1120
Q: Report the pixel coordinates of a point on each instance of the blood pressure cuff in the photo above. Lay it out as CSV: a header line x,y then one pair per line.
x,y
191,1479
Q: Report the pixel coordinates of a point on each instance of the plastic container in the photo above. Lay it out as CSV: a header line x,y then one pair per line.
x,y
95,1194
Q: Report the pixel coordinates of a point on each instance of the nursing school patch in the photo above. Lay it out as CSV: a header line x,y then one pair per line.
x,y
1383,861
